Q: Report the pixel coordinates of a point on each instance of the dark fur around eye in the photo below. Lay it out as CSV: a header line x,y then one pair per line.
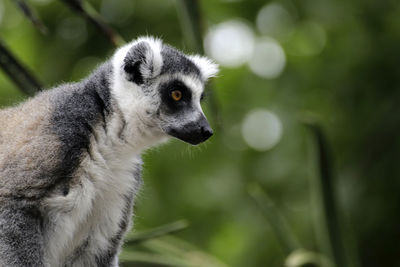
x,y
169,104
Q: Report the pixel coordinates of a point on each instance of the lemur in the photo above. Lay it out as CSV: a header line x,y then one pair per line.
x,y
70,163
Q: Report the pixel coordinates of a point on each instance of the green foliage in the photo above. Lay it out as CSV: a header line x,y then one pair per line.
x,y
341,64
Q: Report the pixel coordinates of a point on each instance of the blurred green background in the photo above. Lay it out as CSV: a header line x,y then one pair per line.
x,y
281,61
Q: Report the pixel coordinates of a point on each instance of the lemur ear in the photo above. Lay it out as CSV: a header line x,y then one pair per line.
x,y
143,61
207,67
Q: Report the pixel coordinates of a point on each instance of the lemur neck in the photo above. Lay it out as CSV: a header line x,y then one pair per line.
x,y
138,129
99,82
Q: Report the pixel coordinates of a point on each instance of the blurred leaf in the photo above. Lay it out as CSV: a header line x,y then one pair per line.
x,y
326,192
133,238
133,257
191,22
176,247
170,251
274,217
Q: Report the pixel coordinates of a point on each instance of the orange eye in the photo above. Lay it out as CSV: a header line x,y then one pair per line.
x,y
176,95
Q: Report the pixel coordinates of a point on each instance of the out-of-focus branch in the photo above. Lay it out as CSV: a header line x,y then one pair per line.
x,y
30,13
166,250
176,248
157,232
275,218
326,192
17,72
192,26
135,258
87,11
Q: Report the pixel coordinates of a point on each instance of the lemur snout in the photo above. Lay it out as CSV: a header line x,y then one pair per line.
x,y
193,132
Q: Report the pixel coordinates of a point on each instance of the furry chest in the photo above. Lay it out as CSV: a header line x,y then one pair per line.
x,y
89,222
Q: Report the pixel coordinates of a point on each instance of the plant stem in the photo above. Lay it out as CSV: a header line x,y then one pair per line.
x,y
191,22
327,195
30,13
157,232
17,72
275,218
88,12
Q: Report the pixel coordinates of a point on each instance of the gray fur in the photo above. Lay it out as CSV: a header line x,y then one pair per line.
x,y
70,157
176,62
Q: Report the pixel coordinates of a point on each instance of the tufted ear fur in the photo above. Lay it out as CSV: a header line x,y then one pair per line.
x,y
207,67
143,60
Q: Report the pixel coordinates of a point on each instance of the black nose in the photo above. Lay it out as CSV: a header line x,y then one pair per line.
x,y
206,132
193,132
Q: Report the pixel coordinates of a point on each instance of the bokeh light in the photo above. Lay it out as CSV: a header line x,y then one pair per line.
x,y
261,129
230,43
268,60
274,20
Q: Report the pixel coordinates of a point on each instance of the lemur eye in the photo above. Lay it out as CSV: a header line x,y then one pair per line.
x,y
176,95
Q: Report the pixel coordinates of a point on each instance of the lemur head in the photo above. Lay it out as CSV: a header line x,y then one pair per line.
x,y
162,88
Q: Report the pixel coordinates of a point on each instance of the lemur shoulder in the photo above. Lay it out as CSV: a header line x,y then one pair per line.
x,y
70,162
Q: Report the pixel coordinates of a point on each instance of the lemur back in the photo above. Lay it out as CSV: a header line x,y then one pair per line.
x,y
70,161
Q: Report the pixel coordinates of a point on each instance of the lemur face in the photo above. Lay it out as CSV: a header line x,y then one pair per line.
x,y
170,86
180,112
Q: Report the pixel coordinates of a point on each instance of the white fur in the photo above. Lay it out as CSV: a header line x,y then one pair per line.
x,y
96,204
130,98
153,57
207,67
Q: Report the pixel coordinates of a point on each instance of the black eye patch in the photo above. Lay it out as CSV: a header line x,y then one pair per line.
x,y
168,103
